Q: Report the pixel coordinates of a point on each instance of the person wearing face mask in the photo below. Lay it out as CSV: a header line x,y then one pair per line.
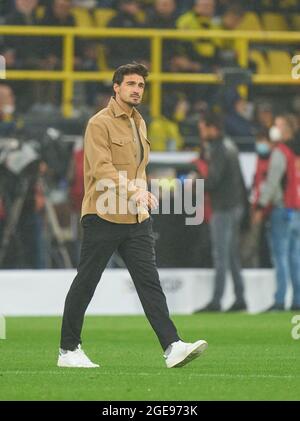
x,y
257,246
263,147
282,190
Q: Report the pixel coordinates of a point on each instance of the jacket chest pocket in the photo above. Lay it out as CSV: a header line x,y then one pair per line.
x,y
146,148
121,150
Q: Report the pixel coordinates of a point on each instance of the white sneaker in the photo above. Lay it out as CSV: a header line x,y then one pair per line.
x,y
76,358
182,353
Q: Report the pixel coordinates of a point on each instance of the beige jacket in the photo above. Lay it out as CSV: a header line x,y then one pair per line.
x,y
109,149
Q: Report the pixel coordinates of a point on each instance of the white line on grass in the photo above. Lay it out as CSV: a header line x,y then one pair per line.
x,y
74,371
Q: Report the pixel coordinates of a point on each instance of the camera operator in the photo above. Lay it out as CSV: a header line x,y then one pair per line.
x,y
21,194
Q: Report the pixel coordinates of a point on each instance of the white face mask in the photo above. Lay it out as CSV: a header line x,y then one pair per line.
x,y
8,109
275,134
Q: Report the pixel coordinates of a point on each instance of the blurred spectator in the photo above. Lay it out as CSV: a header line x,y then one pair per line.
x,y
165,135
225,184
59,14
263,147
23,13
22,52
163,16
29,226
238,120
22,213
282,190
31,223
124,50
89,62
230,20
201,17
232,17
8,121
257,250
197,56
51,49
264,116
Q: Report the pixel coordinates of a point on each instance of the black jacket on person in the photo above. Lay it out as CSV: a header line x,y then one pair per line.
x,y
171,48
224,181
54,45
26,47
125,50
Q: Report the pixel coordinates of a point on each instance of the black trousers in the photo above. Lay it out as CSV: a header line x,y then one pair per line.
x,y
135,243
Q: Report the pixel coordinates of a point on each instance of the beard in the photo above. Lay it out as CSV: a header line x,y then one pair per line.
x,y
133,103
131,100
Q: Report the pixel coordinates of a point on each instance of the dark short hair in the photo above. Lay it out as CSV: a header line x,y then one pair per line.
x,y
213,119
129,69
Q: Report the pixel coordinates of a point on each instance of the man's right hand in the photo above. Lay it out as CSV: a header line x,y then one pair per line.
x,y
146,199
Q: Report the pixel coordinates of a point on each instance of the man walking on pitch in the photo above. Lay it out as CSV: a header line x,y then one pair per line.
x,y
115,217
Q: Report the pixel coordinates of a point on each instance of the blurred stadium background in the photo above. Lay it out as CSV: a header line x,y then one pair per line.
x,y
237,58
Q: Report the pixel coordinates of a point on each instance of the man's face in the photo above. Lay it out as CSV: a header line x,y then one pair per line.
x,y
7,98
231,20
130,7
165,7
62,8
131,90
207,133
203,130
26,6
285,129
205,8
265,117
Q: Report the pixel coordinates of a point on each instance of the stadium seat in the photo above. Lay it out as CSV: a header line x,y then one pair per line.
x,y
250,22
102,16
295,22
262,66
82,17
274,22
279,62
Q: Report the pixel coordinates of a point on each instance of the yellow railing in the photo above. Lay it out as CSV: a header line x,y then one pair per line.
x,y
68,76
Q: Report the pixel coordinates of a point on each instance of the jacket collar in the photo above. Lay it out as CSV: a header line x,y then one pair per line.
x,y
118,111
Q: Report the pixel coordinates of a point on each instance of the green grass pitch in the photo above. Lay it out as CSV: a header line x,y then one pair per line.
x,y
250,357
